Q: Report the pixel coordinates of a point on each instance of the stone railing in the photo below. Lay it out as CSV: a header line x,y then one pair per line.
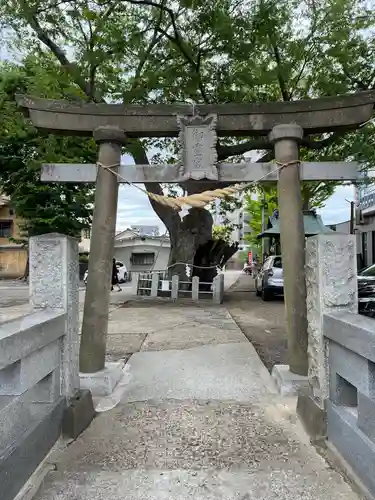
x,y
338,406
158,284
351,403
39,362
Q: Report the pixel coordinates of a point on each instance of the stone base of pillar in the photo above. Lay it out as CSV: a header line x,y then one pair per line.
x,y
103,382
78,415
312,416
288,383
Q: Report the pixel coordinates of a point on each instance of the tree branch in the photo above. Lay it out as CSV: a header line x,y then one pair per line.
x,y
280,77
154,41
310,144
224,152
55,49
177,40
361,85
169,216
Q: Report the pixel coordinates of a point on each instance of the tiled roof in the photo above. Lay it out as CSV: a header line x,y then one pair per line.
x,y
313,225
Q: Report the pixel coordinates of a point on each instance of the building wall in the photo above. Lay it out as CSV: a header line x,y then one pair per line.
x,y
12,262
366,240
365,200
13,258
341,227
7,214
124,250
241,219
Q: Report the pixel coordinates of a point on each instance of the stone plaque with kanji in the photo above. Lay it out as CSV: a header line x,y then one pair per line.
x,y
198,147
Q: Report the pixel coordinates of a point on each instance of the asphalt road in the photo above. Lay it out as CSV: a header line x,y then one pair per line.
x,y
15,293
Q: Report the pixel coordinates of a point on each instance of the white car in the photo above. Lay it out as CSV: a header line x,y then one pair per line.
x,y
270,279
122,273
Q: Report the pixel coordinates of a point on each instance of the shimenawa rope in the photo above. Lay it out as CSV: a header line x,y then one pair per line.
x,y
198,200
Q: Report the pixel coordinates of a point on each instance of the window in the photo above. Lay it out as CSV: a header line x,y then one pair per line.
x,y
373,247
5,228
87,233
143,259
277,263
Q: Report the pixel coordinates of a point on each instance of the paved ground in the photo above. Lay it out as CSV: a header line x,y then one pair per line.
x,y
15,293
263,323
199,418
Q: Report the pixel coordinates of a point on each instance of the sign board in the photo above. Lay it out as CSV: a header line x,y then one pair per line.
x,y
165,285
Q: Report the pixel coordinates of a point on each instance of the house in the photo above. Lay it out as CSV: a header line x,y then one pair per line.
x,y
365,224
146,230
84,244
13,256
142,252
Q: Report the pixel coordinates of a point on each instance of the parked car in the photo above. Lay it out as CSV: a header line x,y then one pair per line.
x,y
269,281
366,291
122,273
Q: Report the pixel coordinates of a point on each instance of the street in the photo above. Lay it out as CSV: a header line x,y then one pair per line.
x,y
13,293
16,293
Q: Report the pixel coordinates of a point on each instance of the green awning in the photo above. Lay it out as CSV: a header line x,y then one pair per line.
x,y
313,225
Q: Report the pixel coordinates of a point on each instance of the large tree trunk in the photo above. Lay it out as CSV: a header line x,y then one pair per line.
x,y
186,236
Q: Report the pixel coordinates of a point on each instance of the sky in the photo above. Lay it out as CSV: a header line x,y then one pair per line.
x,y
135,209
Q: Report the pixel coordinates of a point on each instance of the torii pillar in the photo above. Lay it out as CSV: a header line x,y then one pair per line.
x,y
286,139
96,309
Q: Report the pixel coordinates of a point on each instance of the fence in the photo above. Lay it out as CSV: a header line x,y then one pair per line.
x,y
159,284
39,362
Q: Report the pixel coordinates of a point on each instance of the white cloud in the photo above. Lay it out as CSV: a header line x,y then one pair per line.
x,y
134,209
337,209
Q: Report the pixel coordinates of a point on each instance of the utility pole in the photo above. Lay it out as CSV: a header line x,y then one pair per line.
x,y
352,215
263,221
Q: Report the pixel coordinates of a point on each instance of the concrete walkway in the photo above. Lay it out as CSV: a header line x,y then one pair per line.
x,y
199,418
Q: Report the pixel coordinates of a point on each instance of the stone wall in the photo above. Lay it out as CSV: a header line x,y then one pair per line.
x,y
39,362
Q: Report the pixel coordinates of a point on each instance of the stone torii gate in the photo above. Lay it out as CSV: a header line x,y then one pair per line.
x,y
286,124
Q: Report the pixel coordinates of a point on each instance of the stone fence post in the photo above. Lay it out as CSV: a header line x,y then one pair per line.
x,y
331,280
175,286
218,289
54,285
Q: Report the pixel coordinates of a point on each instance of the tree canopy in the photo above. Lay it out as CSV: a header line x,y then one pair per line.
x,y
64,208
195,51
